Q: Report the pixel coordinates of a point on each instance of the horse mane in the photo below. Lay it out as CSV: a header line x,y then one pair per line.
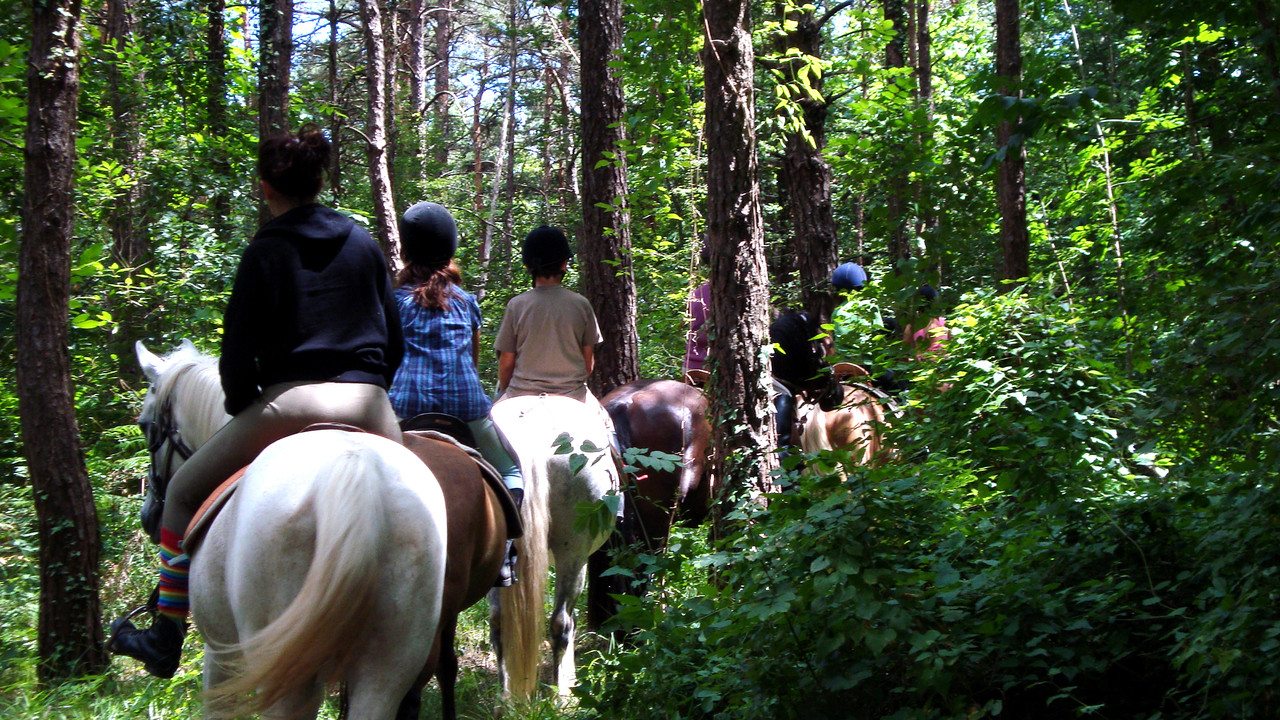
x,y
190,381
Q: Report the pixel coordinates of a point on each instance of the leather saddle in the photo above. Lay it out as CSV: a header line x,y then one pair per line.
x,y
440,428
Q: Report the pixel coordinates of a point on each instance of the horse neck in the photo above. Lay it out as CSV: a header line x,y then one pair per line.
x,y
198,402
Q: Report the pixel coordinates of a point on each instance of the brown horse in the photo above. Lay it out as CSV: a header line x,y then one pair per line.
x,y
477,532
666,416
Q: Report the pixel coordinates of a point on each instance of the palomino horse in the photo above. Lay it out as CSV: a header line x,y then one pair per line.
x,y
325,565
666,416
477,544
555,484
830,414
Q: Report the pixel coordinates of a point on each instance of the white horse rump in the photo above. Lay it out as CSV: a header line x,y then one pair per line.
x,y
553,491
326,565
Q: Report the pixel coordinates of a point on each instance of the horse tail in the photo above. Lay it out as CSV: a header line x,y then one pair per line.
x,y
522,618
327,616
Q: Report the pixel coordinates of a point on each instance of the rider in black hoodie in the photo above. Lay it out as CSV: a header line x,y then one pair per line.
x,y
311,334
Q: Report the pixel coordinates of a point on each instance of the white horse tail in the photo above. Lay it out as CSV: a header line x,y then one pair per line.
x,y
522,617
325,619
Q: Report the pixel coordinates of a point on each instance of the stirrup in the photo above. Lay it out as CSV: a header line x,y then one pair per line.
x,y
116,626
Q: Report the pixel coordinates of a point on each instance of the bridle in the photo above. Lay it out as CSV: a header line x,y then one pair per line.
x,y
163,442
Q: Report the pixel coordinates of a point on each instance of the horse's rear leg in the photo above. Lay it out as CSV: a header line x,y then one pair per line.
x,y
495,636
570,578
447,668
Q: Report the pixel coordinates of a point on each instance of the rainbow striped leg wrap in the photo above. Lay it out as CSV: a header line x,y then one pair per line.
x,y
173,578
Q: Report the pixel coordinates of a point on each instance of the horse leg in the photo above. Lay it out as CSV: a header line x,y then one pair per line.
x,y
447,668
571,576
495,636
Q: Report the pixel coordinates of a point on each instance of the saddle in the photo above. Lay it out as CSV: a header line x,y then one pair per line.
x,y
440,464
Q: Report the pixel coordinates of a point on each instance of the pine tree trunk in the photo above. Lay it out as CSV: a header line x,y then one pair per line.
x,y
217,127
1011,190
336,120
129,247
384,213
444,23
806,178
898,181
739,314
275,52
606,223
70,633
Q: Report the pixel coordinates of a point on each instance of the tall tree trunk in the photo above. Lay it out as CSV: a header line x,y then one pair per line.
x,y
217,126
897,186
929,220
505,151
1011,189
509,133
609,282
805,177
384,208
70,634
443,95
275,51
336,118
418,83
739,315
129,245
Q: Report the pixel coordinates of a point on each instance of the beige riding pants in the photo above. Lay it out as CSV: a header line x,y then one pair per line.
x,y
281,410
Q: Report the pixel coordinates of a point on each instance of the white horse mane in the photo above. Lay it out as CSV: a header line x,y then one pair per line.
x,y
190,381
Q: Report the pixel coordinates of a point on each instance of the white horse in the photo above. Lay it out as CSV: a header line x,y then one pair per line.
x,y
554,487
325,565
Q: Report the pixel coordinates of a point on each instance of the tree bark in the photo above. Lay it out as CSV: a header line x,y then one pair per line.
x,y
216,124
606,223
805,176
443,95
336,121
384,208
744,436
1011,190
898,181
275,52
70,633
129,247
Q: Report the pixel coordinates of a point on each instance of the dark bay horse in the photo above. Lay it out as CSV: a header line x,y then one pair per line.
x,y
666,416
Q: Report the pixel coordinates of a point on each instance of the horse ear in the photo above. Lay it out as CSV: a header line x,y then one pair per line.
x,y
150,362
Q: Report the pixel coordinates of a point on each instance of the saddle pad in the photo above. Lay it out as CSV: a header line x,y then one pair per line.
x,y
203,518
440,464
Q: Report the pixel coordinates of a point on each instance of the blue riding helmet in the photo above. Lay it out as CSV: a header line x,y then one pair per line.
x,y
849,276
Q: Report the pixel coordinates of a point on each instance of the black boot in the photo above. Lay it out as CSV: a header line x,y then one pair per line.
x,y
159,646
507,573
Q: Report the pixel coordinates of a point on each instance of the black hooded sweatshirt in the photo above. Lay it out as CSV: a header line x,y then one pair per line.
x,y
311,301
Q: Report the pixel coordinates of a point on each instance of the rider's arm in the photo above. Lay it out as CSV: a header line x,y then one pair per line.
x,y
589,357
506,369
475,348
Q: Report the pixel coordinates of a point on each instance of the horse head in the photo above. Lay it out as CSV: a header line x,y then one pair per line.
x,y
182,409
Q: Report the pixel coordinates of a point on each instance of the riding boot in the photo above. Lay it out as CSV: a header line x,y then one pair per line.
x,y
159,646
507,573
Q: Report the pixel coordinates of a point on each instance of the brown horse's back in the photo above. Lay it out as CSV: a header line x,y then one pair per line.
x,y
477,538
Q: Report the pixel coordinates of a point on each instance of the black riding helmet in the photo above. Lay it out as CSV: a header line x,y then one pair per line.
x,y
544,248
428,234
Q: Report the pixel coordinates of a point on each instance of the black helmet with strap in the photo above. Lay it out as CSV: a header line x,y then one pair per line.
x,y
428,234
544,247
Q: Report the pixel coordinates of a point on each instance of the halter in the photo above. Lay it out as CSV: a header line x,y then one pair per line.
x,y
162,432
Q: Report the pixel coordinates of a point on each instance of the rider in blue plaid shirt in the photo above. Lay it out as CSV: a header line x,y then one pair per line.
x,y
442,343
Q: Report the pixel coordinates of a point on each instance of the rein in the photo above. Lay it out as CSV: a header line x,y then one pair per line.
x,y
162,432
